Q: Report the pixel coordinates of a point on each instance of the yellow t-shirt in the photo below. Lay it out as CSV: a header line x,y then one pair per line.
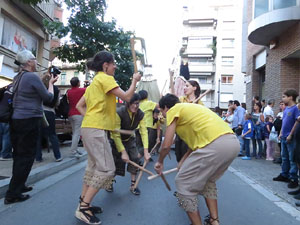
x,y
100,105
197,125
184,99
147,107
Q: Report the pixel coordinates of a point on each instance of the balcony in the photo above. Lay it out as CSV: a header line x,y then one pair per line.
x,y
271,19
198,51
206,86
206,68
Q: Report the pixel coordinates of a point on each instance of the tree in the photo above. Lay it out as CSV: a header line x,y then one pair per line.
x,y
89,34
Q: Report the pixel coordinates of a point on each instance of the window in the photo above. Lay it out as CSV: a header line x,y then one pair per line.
x,y
227,42
199,61
76,74
227,60
225,97
260,7
63,78
202,80
280,4
226,79
16,38
228,25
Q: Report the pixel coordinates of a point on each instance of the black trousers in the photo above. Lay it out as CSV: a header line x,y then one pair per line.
x,y
23,133
180,148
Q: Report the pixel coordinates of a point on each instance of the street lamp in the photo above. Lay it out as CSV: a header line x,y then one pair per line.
x,y
219,86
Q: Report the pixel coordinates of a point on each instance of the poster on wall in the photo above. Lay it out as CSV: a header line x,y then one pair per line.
x,y
16,38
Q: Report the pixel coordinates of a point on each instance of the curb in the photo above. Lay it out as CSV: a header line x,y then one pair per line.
x,y
44,171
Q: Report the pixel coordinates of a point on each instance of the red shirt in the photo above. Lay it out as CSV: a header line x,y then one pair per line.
x,y
74,95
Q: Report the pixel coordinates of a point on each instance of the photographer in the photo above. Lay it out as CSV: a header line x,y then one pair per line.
x,y
49,110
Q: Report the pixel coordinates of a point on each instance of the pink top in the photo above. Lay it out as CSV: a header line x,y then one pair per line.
x,y
74,95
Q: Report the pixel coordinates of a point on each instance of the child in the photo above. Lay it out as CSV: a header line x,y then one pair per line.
x,y
247,134
270,144
289,168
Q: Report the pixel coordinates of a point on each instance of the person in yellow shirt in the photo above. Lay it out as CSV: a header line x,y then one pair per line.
x,y
193,94
155,132
98,106
212,148
129,117
147,107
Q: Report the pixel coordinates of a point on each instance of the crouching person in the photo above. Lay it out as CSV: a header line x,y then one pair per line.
x,y
212,148
129,117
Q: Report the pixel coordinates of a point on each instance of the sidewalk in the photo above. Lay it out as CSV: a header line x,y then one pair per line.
x,y
262,172
41,170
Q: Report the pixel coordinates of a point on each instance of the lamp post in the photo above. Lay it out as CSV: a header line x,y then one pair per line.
x,y
219,85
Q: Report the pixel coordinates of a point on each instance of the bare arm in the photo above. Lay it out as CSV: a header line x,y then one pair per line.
x,y
81,106
172,82
126,96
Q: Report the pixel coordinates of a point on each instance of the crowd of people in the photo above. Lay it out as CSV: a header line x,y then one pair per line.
x,y
114,137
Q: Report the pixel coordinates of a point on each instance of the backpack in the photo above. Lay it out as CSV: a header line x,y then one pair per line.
x,y
62,110
6,103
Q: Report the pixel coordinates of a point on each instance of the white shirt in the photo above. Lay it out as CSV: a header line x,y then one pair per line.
x,y
268,112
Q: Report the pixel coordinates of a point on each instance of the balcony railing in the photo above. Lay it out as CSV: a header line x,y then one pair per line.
x,y
202,68
206,86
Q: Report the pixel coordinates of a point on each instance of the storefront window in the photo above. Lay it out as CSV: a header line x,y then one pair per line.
x,y
17,38
260,7
279,4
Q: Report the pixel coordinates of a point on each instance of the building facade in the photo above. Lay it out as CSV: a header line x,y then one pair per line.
x,y
21,27
211,45
272,51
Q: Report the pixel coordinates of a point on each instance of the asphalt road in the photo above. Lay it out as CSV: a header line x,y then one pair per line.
x,y
55,202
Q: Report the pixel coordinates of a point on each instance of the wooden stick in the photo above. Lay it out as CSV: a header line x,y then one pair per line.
x,y
165,181
127,132
144,166
164,173
133,54
141,168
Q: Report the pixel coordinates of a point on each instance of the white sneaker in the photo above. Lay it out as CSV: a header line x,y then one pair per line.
x,y
5,159
79,152
59,159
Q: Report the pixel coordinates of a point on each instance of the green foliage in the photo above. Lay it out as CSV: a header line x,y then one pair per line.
x,y
89,34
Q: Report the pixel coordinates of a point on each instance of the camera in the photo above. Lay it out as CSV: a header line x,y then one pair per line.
x,y
54,71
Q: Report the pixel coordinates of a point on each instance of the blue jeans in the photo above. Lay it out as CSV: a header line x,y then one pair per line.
x,y
5,144
289,167
247,146
258,141
242,145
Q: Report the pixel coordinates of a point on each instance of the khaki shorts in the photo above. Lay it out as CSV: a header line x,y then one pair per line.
x,y
100,169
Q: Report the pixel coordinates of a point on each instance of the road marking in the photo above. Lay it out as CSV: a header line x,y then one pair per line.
x,y
47,182
281,203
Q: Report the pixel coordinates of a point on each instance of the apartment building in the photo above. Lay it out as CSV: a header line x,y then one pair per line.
x,y
211,44
21,27
272,52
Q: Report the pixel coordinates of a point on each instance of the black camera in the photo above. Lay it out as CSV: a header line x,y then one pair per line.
x,y
54,71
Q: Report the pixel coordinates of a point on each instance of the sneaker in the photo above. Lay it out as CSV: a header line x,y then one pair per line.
x,y
240,155
246,158
135,191
20,198
293,184
294,192
76,155
281,178
79,152
5,159
59,159
81,214
110,188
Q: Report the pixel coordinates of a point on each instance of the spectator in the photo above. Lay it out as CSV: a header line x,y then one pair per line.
x,y
263,104
5,144
258,120
247,135
49,131
229,116
26,122
277,125
268,111
290,115
270,144
237,123
74,94
244,106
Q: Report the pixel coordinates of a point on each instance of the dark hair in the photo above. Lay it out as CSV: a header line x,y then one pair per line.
x,y
267,119
135,97
291,92
168,100
236,102
271,101
248,116
197,86
259,106
264,101
143,94
244,105
256,98
96,63
74,81
155,110
230,102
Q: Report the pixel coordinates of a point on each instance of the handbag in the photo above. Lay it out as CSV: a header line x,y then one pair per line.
x,y
273,135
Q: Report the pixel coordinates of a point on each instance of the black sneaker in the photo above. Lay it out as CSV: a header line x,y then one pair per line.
x,y
135,191
281,178
20,198
293,184
26,189
294,192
